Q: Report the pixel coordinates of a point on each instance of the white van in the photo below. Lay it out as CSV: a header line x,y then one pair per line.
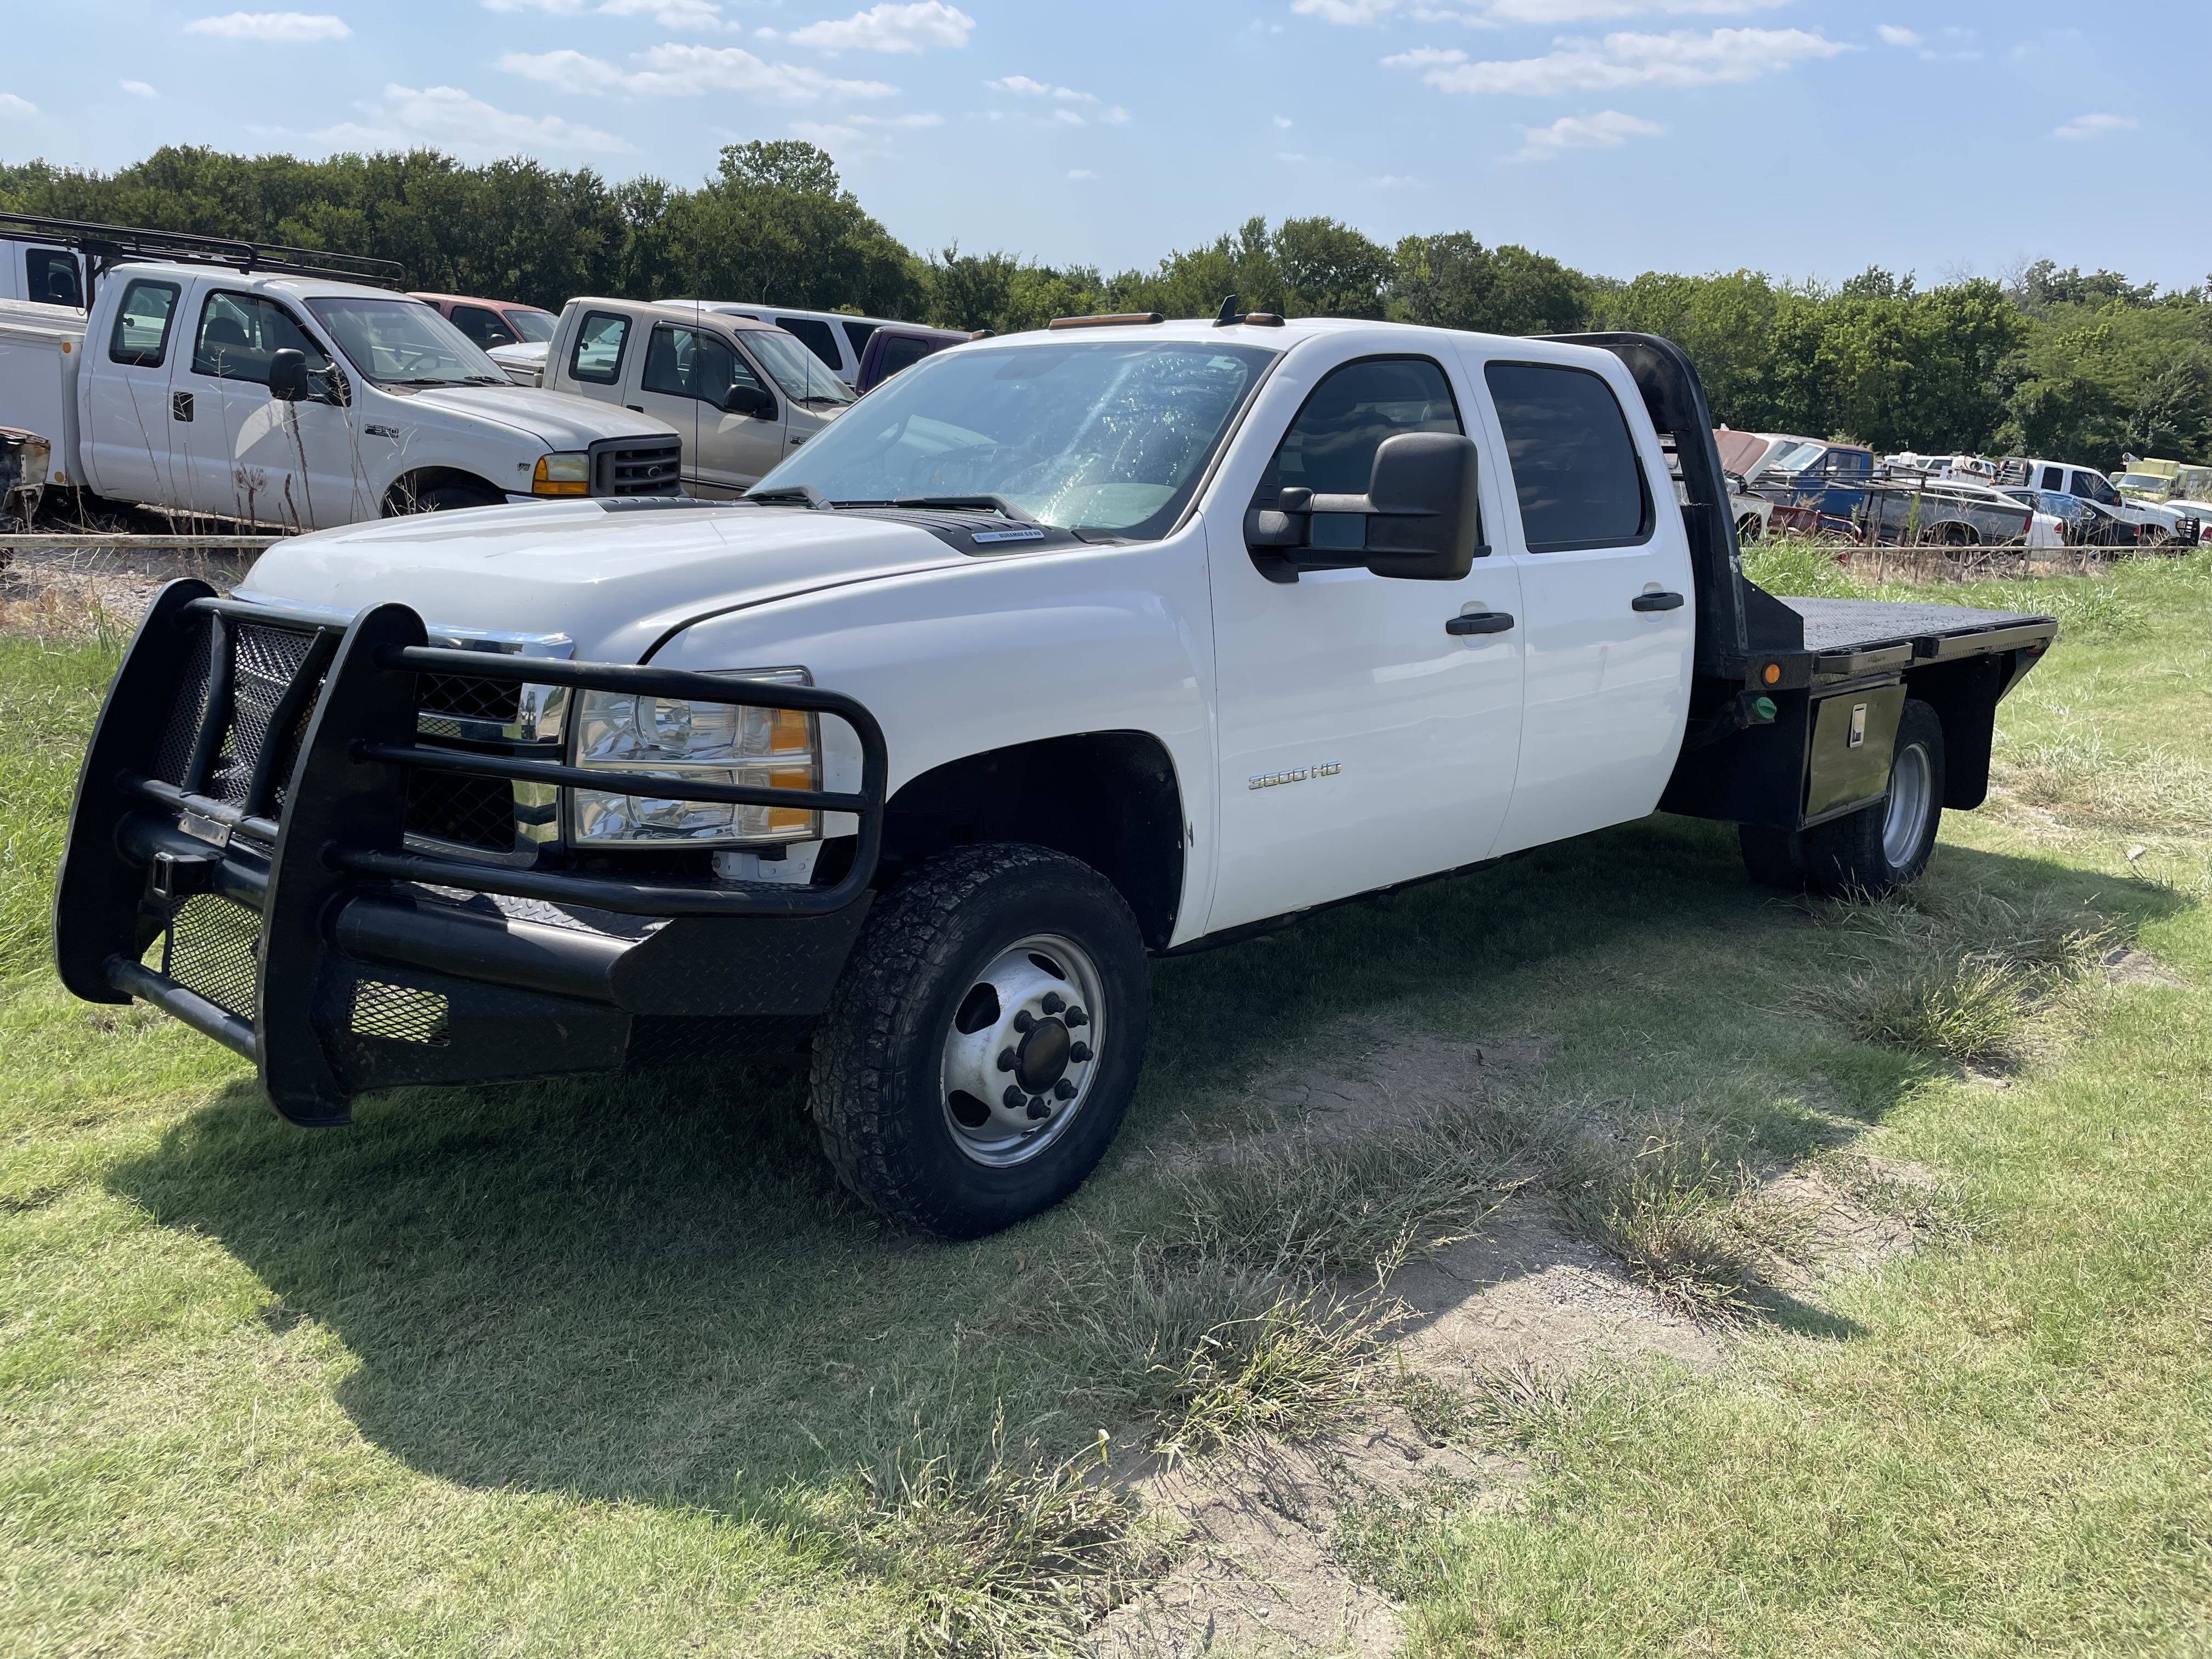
x,y
837,339
742,393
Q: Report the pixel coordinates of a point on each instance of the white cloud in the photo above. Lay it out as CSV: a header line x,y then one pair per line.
x,y
694,16
860,134
1081,172
20,107
138,90
888,28
284,27
1893,36
2084,127
681,72
1343,11
1397,181
449,119
1289,155
1491,14
1683,58
1285,122
1022,86
1607,130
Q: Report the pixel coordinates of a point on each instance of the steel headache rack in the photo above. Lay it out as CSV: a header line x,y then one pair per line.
x,y
267,799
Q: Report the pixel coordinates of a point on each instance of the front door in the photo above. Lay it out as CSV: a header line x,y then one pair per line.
x,y
253,457
135,433
1605,576
686,380
1361,743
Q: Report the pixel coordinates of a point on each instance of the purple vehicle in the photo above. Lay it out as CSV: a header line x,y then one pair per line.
x,y
895,346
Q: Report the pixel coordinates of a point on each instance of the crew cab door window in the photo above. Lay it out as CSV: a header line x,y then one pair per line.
x,y
1575,470
2054,478
1361,743
484,326
141,334
597,356
1330,447
2095,489
1608,685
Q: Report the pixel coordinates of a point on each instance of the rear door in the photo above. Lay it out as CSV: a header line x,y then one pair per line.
x,y
482,325
1361,743
1604,570
134,432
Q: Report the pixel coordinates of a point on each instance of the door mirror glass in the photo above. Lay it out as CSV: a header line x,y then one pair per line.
x,y
749,400
288,376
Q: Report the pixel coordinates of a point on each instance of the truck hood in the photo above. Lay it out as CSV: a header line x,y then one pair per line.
x,y
558,419
612,581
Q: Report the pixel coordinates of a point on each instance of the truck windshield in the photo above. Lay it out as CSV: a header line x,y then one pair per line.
x,y
404,342
2143,483
1110,435
797,370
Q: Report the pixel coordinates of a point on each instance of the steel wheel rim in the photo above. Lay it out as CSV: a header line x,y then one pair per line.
x,y
1041,1002
1910,795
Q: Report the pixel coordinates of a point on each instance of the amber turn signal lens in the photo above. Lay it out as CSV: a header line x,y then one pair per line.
x,y
1771,674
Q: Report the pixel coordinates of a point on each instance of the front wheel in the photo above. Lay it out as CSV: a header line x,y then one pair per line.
x,y
1877,849
981,1049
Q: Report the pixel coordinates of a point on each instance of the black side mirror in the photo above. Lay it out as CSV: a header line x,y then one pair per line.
x,y
754,400
1422,514
288,376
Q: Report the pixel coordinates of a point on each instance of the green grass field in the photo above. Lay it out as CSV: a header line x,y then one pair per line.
x,y
614,1368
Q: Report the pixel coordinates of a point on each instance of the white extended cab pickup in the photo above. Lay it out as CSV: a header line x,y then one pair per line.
x,y
247,393
1057,651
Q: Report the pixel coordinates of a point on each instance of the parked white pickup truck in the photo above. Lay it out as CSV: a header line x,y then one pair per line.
x,y
1057,651
231,386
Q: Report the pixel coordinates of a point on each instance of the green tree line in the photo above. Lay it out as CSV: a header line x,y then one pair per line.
x,y
2052,362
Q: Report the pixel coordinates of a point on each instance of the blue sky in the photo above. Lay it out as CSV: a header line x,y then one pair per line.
x,y
1798,136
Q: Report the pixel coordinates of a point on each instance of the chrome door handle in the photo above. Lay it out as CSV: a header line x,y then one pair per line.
x,y
1479,621
1656,602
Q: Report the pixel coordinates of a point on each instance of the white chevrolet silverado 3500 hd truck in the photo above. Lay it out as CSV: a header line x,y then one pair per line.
x,y
218,379
1058,650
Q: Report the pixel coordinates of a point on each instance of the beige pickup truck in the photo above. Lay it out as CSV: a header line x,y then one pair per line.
x,y
743,394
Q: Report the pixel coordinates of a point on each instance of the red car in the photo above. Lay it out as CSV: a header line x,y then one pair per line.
x,y
491,322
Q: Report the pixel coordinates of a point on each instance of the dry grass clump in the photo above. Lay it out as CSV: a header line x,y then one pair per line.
x,y
1685,1220
1954,976
1016,1560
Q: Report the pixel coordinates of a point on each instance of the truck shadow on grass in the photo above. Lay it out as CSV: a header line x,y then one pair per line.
x,y
652,1289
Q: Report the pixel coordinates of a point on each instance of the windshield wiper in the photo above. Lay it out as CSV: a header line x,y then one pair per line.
x,y
800,495
998,504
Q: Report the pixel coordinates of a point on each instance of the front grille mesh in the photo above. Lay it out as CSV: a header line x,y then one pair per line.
x,y
398,1013
478,812
265,661
455,694
210,950
176,751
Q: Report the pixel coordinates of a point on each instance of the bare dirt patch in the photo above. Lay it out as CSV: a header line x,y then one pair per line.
x,y
65,591
1255,1575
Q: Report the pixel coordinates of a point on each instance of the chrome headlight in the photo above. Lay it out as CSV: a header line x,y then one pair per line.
x,y
707,743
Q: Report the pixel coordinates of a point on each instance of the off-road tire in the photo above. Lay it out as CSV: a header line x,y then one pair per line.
x,y
876,1081
1846,857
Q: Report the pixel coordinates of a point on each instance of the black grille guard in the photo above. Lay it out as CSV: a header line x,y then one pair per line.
x,y
334,886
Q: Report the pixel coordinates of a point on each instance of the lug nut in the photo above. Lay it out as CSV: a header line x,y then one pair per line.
x,y
1077,1017
1023,1020
1012,1098
1038,1108
1008,1059
1053,1002
1063,1089
1079,1053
